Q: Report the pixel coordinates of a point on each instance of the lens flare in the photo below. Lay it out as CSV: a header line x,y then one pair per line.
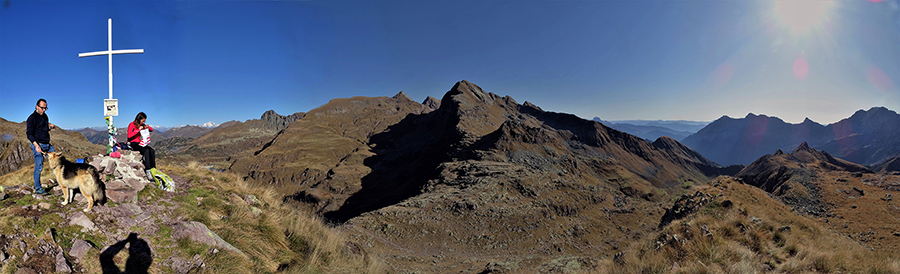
x,y
801,69
879,79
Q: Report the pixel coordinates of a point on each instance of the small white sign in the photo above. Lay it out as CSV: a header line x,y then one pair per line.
x,y
110,107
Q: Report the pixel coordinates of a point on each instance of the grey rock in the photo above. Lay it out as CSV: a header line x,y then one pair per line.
x,y
136,183
122,195
251,199
198,232
127,209
79,249
61,264
114,184
79,218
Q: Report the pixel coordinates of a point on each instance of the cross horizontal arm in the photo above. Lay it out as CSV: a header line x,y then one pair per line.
x,y
106,52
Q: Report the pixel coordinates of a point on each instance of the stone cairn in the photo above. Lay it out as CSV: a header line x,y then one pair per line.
x,y
124,176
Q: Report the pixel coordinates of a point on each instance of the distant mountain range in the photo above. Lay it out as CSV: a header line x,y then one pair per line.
x,y
868,137
653,129
100,137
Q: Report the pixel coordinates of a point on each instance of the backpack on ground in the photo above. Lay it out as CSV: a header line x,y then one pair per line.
x,y
162,180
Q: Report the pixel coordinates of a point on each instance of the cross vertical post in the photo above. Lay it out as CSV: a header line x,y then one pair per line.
x,y
109,53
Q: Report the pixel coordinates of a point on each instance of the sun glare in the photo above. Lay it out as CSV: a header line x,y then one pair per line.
x,y
800,16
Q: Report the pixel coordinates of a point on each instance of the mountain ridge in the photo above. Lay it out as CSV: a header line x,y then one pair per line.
x,y
867,137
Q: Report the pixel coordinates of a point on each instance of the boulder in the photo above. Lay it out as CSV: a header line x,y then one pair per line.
x,y
127,209
62,266
79,249
122,195
251,199
684,206
78,218
137,183
116,184
198,232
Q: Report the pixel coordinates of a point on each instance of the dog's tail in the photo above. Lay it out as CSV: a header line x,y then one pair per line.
x,y
98,193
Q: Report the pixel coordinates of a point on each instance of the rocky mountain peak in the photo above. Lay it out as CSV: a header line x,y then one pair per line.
x,y
280,121
401,96
469,90
431,103
803,147
529,104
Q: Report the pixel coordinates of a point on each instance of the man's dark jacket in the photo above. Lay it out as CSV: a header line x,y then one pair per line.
x,y
38,128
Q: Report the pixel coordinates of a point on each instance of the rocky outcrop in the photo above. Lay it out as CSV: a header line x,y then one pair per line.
x,y
128,173
14,155
431,104
280,121
198,232
685,206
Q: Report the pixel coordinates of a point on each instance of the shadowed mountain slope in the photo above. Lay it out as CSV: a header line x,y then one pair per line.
x,y
866,137
891,165
477,178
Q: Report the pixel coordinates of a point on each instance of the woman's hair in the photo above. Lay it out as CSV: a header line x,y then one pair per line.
x,y
139,117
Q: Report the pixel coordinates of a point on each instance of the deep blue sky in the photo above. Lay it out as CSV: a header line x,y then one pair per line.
x,y
233,60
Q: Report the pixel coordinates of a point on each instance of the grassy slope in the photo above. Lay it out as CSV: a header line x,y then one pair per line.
x,y
755,235
281,239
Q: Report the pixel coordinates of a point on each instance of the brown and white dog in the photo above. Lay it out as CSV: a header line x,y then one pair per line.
x,y
76,175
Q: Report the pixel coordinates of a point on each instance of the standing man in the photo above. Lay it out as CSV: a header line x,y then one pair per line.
x,y
38,131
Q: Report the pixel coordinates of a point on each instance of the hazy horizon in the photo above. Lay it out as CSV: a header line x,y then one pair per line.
x,y
617,60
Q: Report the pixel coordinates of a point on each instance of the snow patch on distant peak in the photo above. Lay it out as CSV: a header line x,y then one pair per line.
x,y
209,124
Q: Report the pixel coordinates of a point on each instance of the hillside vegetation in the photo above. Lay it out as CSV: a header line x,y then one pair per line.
x,y
738,228
262,233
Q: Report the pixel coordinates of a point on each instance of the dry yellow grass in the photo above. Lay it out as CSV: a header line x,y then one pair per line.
x,y
282,238
755,235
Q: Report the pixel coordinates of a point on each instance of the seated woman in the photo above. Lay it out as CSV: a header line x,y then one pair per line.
x,y
139,139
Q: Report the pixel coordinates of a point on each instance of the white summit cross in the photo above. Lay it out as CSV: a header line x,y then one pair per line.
x,y
109,52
